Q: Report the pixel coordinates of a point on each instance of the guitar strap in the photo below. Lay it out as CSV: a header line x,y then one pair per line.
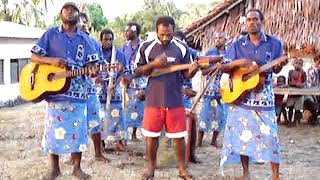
x,y
259,116
33,75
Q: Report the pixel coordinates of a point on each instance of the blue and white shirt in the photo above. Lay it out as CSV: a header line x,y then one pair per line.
x,y
165,90
76,50
130,53
102,90
270,48
213,90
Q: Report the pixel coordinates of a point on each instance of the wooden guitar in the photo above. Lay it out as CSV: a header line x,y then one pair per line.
x,y
244,79
38,81
204,63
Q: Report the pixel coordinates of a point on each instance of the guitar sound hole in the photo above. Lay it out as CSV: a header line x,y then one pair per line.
x,y
50,77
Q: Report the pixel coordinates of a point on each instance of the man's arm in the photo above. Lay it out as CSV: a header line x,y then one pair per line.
x,y
228,67
59,62
146,69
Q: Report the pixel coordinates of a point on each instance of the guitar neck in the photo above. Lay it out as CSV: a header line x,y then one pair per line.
x,y
264,67
174,68
78,72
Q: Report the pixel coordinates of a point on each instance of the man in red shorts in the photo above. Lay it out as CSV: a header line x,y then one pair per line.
x,y
164,99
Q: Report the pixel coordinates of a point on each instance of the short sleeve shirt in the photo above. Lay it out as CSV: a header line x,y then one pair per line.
x,y
269,49
76,50
165,90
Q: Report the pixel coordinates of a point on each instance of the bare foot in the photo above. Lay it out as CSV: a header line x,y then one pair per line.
x,y
119,146
148,175
275,176
243,177
102,159
53,175
185,175
81,175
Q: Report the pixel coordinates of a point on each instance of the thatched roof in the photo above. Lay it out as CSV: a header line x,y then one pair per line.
x,y
295,22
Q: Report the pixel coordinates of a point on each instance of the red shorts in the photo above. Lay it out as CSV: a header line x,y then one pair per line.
x,y
174,120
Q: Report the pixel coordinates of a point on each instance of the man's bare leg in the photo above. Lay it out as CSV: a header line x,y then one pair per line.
x,y
193,158
152,145
275,171
179,147
134,134
119,146
245,167
96,138
55,169
200,137
77,171
214,139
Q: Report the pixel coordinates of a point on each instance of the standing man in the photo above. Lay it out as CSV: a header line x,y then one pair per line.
x,y
93,104
114,129
66,127
136,87
251,132
212,110
164,98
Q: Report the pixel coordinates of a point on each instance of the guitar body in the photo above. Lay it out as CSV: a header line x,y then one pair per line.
x,y
43,86
237,85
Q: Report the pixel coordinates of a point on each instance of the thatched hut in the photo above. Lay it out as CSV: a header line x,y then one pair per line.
x,y
295,22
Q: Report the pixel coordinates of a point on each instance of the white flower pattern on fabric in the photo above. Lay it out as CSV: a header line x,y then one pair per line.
x,y
214,125
50,119
101,113
111,138
246,135
134,115
59,133
265,129
115,113
214,103
93,124
202,124
82,147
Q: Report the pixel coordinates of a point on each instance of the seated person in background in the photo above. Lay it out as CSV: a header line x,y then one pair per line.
x,y
297,78
312,103
312,106
279,102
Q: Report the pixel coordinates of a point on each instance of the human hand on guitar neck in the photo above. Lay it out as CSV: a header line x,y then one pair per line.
x,y
229,67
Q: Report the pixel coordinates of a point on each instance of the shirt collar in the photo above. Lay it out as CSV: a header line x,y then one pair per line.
x,y
130,44
158,40
60,30
263,38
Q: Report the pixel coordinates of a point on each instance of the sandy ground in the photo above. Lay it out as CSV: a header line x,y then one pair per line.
x,y
21,157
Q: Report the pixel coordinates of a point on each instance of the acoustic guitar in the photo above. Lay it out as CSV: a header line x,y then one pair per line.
x,y
38,81
245,79
203,63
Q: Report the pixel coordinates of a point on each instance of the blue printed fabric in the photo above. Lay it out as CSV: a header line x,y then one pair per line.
x,y
251,133
66,128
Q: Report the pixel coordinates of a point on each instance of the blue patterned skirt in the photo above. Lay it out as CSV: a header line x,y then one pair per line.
x,y
66,128
212,115
250,133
